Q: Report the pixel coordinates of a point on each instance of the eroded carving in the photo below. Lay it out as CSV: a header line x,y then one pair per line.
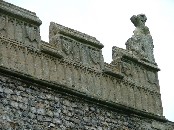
x,y
11,28
95,56
141,43
3,26
66,45
126,69
151,76
76,46
32,36
19,31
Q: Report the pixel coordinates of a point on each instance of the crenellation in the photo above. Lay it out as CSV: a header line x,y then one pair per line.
x,y
72,63
56,70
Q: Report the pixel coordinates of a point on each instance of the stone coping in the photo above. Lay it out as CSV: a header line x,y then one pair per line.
x,y
19,12
77,35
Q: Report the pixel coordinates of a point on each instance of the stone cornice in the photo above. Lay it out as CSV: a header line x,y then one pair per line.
x,y
15,11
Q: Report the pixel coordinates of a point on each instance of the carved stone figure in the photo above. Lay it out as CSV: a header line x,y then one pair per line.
x,y
141,43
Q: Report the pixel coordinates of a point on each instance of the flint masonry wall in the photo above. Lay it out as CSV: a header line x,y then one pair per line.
x,y
65,84
28,106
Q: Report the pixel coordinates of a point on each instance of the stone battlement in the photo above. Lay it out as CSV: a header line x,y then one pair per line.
x,y
73,62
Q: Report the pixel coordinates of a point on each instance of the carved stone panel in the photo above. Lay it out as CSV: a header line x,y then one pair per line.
x,y
66,45
138,98
46,67
111,89
151,77
104,84
19,33
150,102
135,73
12,56
91,82
117,91
61,72
38,65
68,75
4,53
30,63
144,99
3,27
76,52
124,93
158,105
126,69
76,77
32,36
97,85
131,96
22,59
76,46
11,28
53,70
84,81
84,55
95,56
142,78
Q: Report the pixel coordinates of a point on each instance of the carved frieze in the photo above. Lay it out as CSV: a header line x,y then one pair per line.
x,y
84,50
21,31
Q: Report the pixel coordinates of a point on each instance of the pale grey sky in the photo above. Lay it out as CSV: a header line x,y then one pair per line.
x,y
108,21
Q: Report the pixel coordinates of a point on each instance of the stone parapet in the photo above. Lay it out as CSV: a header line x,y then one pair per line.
x,y
84,79
74,60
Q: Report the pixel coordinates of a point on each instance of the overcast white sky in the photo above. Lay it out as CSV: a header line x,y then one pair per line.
x,y
108,21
